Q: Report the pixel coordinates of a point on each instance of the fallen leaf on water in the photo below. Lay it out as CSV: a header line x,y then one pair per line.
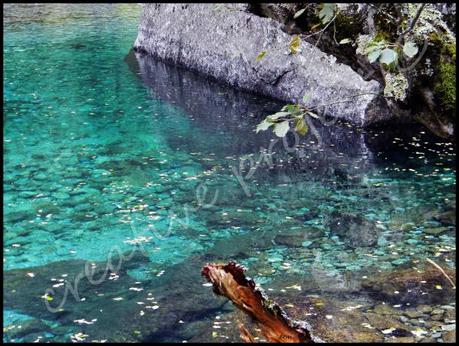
x,y
388,331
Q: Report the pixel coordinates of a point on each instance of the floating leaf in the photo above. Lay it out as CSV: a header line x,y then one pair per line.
x,y
388,56
47,297
388,331
410,49
305,98
294,44
345,41
295,287
261,55
301,127
281,129
299,13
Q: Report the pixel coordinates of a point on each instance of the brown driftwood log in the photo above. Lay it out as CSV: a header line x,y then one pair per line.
x,y
230,281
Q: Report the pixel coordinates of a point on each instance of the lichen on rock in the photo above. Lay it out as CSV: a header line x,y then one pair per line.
x,y
396,86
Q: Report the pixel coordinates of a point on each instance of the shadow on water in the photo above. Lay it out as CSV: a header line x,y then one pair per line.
x,y
224,119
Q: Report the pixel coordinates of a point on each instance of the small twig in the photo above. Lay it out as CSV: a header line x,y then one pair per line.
x,y
442,271
322,30
334,33
413,23
371,21
418,59
331,21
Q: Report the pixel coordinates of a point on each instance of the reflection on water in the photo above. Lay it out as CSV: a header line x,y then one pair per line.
x,y
110,155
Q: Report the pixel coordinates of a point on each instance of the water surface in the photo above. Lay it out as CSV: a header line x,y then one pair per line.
x,y
109,153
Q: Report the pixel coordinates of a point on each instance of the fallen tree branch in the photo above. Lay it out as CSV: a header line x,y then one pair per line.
x,y
442,271
230,281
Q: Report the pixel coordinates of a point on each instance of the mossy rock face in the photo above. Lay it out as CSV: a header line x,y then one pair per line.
x,y
445,88
450,49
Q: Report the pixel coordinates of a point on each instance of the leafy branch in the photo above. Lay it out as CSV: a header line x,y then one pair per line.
x,y
296,114
280,121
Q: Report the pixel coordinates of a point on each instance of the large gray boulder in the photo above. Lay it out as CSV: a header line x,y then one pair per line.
x,y
223,41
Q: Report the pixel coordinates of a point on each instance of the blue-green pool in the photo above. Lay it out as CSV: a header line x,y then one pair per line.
x,y
109,153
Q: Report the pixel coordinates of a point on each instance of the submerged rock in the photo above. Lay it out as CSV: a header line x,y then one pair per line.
x,y
447,217
224,42
410,286
355,230
436,230
175,295
449,336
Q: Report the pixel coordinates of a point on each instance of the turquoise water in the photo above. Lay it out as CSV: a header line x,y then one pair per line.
x,y
108,152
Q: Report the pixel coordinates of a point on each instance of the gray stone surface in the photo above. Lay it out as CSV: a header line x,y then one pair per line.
x,y
223,41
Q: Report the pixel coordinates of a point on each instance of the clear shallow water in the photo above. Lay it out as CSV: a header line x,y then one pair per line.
x,y
107,151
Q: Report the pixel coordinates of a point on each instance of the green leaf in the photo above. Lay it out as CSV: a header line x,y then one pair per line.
x,y
388,56
281,129
299,13
263,126
327,12
345,41
261,55
373,56
301,127
276,116
47,297
373,46
305,98
294,44
291,108
410,49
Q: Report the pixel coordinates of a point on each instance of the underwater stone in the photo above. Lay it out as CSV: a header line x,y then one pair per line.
x,y
425,309
27,327
384,321
436,230
449,327
61,195
450,314
355,230
385,309
403,339
435,317
19,215
447,218
449,336
290,240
